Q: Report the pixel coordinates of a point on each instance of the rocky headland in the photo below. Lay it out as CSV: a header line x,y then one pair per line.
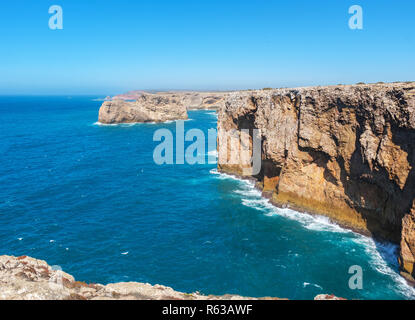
x,y
26,278
193,100
204,100
346,152
140,106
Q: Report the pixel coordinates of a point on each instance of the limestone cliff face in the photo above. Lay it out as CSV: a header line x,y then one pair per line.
x,y
193,100
147,108
346,152
204,100
26,278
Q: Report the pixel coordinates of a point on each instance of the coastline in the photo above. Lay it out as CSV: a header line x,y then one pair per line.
x,y
278,293
344,152
268,195
365,236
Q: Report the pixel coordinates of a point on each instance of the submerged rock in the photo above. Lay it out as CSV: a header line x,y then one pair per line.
x,y
347,152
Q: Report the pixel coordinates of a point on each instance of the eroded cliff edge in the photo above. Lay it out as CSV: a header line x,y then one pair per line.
x,y
140,106
26,278
346,152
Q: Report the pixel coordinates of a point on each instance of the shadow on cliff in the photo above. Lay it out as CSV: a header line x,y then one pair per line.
x,y
387,202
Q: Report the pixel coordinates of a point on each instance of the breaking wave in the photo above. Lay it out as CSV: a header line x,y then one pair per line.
x,y
383,256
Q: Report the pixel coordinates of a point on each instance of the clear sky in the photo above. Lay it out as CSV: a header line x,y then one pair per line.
x,y
107,47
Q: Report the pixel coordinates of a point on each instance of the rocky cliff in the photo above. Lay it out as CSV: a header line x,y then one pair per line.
x,y
147,108
25,278
140,106
346,152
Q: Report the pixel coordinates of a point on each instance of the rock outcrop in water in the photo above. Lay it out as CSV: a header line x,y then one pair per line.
x,y
25,278
346,152
147,108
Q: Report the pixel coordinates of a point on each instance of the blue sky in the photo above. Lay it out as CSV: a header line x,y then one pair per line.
x,y
108,47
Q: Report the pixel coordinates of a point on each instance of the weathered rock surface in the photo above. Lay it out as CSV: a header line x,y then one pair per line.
x,y
25,278
346,152
193,100
204,100
147,108
131,95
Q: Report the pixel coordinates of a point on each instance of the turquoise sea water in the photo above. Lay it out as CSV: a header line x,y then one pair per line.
x,y
90,199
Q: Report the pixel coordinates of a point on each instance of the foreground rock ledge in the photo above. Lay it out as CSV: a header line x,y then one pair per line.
x,y
147,108
25,278
139,106
193,100
347,152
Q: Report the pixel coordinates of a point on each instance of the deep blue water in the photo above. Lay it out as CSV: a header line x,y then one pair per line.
x,y
90,199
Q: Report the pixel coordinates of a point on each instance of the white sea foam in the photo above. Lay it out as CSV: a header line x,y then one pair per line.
x,y
383,256
104,124
310,222
383,259
248,192
223,176
252,198
123,124
258,204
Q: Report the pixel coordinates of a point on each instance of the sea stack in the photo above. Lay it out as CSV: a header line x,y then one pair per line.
x,y
347,152
147,108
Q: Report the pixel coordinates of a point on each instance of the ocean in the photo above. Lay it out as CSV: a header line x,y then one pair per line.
x,y
90,199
